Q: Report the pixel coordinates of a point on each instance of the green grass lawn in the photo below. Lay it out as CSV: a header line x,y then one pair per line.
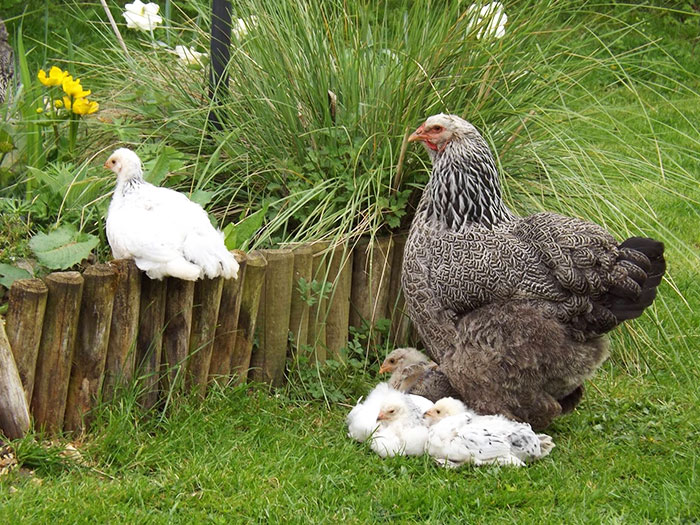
x,y
628,454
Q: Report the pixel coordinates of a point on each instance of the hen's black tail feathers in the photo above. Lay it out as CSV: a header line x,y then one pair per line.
x,y
644,265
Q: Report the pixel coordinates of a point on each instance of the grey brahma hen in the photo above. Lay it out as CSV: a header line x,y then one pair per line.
x,y
7,62
513,309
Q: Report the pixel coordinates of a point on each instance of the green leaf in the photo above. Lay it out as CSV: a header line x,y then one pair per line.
x,y
235,237
9,274
6,142
63,247
167,160
202,197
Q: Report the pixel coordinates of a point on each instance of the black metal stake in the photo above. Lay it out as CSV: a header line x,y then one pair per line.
x,y
220,53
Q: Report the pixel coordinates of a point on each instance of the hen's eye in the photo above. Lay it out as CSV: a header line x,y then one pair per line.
x,y
437,411
437,129
392,360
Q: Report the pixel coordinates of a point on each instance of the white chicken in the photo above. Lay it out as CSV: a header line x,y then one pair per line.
x,y
373,418
458,435
162,230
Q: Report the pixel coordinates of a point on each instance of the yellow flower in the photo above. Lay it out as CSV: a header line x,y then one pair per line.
x,y
39,110
73,88
66,102
58,103
55,77
83,106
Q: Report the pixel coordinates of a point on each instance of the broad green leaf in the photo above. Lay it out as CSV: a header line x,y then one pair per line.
x,y
63,247
9,274
235,237
167,160
202,197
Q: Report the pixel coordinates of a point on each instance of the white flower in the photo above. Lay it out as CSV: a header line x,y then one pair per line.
x,y
490,20
190,56
243,25
142,16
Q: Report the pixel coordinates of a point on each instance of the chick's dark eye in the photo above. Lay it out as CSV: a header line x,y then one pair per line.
x,y
392,360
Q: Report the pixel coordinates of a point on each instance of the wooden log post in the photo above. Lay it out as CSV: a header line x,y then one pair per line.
x,y
267,363
205,313
149,341
400,330
14,410
176,334
318,311
56,350
227,327
100,282
253,279
121,350
371,273
299,312
25,318
340,274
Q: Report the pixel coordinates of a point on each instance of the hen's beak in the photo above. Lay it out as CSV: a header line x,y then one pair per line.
x,y
381,416
106,165
419,134
384,369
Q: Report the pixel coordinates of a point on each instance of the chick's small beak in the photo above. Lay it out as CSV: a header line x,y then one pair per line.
x,y
381,416
384,369
106,164
419,134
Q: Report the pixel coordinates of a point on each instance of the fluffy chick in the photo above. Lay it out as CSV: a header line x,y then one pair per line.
x,y
458,435
412,371
401,429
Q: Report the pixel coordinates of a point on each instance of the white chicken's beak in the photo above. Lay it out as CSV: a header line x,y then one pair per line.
x,y
381,416
106,164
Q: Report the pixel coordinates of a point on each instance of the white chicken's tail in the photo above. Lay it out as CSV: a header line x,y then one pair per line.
x,y
207,250
177,267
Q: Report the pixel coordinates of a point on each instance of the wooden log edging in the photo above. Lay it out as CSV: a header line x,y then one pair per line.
x,y
371,273
250,301
299,307
14,410
179,299
338,318
149,340
267,364
121,350
94,323
227,328
25,320
97,326
319,309
400,331
65,290
205,312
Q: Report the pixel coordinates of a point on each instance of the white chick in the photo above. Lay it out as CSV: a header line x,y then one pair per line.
x,y
362,419
401,430
406,366
457,436
162,230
